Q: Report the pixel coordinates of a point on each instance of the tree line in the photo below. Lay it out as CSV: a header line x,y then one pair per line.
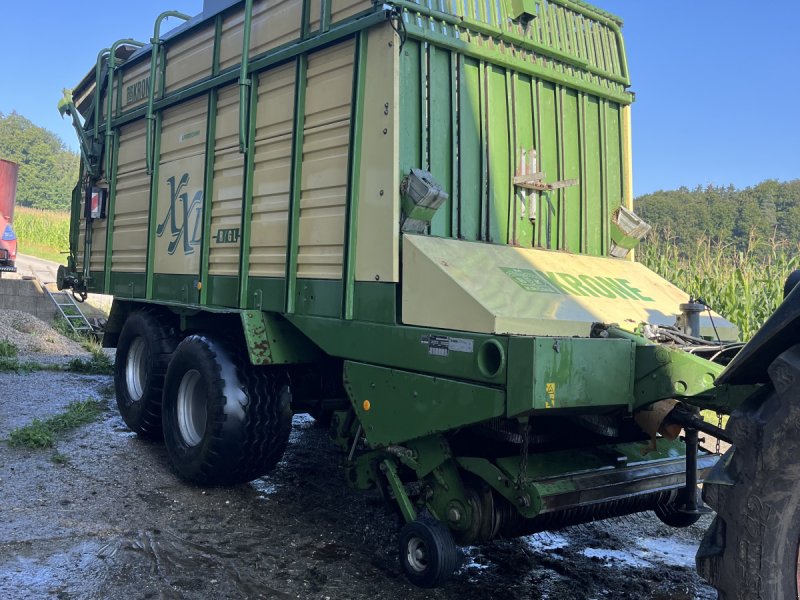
x,y
768,212
48,170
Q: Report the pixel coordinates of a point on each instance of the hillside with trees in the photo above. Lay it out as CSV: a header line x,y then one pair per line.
x,y
768,212
48,169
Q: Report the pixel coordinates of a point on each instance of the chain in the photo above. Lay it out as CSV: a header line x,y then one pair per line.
x,y
719,424
522,477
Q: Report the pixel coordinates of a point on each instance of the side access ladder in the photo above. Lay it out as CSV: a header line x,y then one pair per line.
x,y
70,310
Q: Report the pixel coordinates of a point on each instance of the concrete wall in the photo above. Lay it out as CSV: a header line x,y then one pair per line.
x,y
26,295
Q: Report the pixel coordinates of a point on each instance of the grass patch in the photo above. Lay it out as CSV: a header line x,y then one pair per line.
x,y
98,364
8,349
59,459
43,433
14,365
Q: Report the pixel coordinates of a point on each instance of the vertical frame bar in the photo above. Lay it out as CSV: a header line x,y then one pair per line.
x,y
561,194
325,15
455,184
604,220
485,197
296,182
247,200
584,245
112,197
511,112
211,144
151,225
208,193
354,162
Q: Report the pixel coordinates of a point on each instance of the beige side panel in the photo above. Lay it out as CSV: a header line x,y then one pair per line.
x,y
131,154
227,128
272,172
377,243
275,22
132,202
342,9
323,193
226,213
183,130
135,85
189,60
226,202
230,44
179,214
129,251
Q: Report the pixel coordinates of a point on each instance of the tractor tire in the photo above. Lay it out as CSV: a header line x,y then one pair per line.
x,y
225,421
428,555
145,345
751,549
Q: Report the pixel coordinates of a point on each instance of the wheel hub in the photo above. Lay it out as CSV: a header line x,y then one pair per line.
x,y
136,369
417,554
191,408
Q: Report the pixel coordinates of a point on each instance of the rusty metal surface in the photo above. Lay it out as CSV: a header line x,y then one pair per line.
x,y
8,190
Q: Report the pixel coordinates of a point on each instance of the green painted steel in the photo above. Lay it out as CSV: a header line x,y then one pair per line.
x,y
208,194
272,341
110,212
155,57
473,129
292,242
247,197
390,402
402,347
353,171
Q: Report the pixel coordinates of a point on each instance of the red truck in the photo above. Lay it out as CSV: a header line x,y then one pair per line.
x,y
8,192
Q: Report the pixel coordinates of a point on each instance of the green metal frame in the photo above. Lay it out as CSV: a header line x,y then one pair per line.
x,y
155,55
247,200
353,170
296,181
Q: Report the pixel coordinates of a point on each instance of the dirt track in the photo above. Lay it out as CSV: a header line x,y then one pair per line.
x,y
113,521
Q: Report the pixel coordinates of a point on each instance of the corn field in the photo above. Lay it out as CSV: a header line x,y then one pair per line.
x,y
743,286
42,233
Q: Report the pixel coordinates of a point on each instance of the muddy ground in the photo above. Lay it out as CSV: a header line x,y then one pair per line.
x,y
112,521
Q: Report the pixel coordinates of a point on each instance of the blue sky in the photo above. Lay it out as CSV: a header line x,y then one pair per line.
x,y
717,82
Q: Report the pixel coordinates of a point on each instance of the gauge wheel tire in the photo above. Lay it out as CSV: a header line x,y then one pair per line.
x,y
669,513
751,549
225,421
145,345
428,554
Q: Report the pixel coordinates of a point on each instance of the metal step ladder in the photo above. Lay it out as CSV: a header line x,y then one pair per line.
x,y
70,310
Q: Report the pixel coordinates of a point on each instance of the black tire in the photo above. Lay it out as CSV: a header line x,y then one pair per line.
x,y
145,344
751,549
669,512
230,422
428,554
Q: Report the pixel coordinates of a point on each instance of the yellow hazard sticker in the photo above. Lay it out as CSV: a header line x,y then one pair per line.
x,y
550,390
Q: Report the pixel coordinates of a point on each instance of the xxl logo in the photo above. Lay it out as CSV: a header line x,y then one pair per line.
x,y
185,218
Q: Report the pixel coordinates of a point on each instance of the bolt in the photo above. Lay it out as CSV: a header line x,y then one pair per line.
x,y
453,514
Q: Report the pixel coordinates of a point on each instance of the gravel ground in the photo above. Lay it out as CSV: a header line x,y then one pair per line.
x,y
36,340
102,516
